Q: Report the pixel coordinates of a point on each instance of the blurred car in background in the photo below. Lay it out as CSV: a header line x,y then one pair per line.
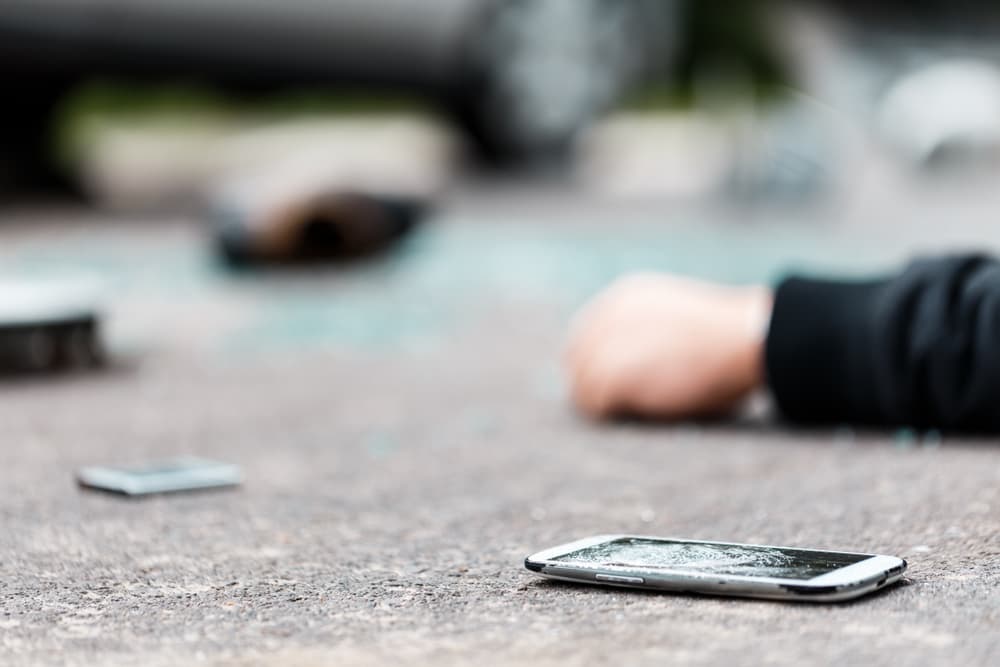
x,y
522,77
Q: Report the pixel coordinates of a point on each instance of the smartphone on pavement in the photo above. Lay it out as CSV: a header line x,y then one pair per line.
x,y
184,474
718,568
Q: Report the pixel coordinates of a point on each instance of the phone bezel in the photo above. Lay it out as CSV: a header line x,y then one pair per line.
x,y
875,571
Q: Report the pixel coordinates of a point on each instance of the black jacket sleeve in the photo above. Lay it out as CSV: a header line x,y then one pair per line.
x,y
919,349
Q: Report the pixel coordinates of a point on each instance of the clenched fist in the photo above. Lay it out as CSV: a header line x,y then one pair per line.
x,y
667,347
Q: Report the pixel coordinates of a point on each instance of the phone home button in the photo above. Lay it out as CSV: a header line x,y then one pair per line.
x,y
616,579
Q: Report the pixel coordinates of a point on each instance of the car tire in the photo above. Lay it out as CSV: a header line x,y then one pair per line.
x,y
539,71
27,123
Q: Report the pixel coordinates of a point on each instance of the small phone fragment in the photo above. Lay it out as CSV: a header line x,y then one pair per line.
x,y
49,326
177,475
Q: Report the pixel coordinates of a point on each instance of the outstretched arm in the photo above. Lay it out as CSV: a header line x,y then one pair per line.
x,y
921,348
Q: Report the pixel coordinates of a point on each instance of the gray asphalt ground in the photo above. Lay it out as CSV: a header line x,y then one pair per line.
x,y
406,442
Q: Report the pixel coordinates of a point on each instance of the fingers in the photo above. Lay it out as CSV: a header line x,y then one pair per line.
x,y
579,361
593,388
654,345
593,354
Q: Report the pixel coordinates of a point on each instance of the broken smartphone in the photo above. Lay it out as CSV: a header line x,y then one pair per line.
x,y
186,474
718,568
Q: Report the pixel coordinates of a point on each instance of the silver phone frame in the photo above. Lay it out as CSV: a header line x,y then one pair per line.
x,y
845,583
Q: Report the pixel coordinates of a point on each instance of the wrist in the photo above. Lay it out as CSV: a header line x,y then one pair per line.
x,y
756,305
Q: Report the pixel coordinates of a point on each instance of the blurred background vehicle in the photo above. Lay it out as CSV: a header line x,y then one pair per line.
x,y
771,100
522,77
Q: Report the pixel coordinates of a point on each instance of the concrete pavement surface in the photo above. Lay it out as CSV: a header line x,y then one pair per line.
x,y
406,442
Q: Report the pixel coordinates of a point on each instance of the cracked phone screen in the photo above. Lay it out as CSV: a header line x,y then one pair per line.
x,y
708,558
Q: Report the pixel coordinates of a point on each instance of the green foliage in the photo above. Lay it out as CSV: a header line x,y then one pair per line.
x,y
715,35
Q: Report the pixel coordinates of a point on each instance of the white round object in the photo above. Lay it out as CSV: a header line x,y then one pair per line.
x,y
953,103
43,302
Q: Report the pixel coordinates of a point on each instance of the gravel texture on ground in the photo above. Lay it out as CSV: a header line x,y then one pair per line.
x,y
394,487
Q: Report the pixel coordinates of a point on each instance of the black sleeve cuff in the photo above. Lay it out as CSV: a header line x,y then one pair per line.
x,y
815,352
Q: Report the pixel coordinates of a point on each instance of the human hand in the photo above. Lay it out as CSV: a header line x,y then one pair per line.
x,y
668,347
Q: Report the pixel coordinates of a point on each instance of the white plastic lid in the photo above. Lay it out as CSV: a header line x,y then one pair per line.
x,y
47,301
